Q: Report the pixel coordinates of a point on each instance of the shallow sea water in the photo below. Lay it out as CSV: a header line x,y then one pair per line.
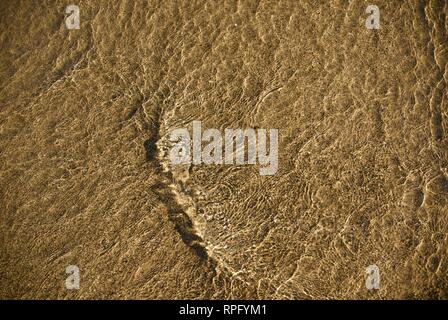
x,y
363,152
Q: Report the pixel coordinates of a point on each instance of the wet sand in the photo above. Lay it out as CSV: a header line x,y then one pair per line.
x,y
85,117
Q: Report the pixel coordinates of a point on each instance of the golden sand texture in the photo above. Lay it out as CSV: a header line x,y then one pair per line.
x,y
363,149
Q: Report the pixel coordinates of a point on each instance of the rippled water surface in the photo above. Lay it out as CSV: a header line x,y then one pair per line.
x,y
85,180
